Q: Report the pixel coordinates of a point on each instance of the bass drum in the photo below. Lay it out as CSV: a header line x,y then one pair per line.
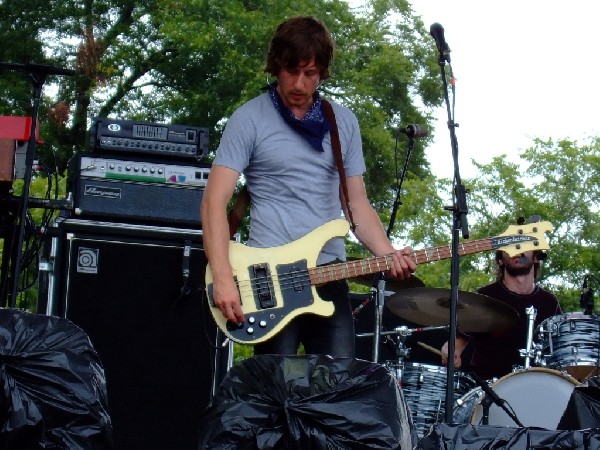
x,y
538,397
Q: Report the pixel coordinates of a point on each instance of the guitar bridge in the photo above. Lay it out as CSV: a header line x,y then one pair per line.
x,y
262,286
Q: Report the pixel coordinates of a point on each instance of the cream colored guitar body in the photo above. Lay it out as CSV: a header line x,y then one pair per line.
x,y
274,284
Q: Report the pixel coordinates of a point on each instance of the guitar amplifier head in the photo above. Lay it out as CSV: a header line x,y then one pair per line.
x,y
153,139
137,191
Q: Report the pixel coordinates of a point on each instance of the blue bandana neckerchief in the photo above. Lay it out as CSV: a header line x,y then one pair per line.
x,y
312,127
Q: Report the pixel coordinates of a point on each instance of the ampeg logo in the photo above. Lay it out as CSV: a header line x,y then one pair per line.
x,y
87,260
104,192
114,127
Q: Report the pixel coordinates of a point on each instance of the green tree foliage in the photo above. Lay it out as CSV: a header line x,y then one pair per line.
x,y
193,62
557,180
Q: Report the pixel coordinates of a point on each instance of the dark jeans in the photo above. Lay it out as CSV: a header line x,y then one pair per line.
x,y
332,336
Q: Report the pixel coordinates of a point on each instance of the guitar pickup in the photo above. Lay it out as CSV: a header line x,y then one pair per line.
x,y
262,285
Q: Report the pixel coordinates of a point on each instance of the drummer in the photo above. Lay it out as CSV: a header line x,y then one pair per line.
x,y
495,354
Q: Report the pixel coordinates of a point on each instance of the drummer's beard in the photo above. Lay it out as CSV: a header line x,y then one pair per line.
x,y
525,265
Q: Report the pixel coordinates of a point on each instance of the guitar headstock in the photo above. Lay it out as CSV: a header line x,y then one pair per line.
x,y
521,238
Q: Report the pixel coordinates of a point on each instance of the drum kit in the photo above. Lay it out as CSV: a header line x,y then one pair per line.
x,y
559,354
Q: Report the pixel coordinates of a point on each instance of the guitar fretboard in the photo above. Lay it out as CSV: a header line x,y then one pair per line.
x,y
367,266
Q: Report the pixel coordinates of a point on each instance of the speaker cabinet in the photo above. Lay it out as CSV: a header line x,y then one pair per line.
x,y
162,354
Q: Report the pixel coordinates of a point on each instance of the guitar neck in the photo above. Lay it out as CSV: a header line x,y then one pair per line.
x,y
352,269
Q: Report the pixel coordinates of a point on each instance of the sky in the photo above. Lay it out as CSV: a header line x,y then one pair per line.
x,y
523,69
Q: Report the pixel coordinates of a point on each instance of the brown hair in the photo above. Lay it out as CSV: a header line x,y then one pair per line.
x,y
300,39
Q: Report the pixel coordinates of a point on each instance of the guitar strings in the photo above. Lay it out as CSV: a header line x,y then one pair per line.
x,y
302,277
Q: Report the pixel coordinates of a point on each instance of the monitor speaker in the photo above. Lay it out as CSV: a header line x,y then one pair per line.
x,y
139,295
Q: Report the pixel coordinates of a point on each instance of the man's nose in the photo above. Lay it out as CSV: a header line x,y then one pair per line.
x,y
299,80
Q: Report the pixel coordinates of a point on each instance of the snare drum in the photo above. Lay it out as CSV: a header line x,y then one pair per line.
x,y
538,397
571,342
424,388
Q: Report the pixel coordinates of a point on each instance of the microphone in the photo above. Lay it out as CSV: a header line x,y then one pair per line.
x,y
414,131
487,389
495,399
437,32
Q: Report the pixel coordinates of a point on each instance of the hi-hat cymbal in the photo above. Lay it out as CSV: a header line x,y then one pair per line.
x,y
391,286
431,306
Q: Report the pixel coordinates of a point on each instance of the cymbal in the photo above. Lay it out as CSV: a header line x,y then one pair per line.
x,y
431,306
391,286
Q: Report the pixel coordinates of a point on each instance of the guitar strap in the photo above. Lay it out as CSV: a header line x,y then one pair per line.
x,y
337,151
237,213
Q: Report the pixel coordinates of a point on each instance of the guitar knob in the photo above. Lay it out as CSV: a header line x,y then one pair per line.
x,y
251,320
262,324
231,326
250,330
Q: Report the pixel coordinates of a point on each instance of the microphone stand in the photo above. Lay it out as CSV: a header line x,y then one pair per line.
x,y
37,73
459,223
380,290
397,201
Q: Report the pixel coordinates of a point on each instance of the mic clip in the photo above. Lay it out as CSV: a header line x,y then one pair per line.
x,y
414,131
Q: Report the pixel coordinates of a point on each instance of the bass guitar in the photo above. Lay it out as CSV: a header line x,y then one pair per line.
x,y
277,284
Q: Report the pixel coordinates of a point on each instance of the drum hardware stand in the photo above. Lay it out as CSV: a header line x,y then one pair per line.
x,y
378,294
540,357
529,352
379,300
402,352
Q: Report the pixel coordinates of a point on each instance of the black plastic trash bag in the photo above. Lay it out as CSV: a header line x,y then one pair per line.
x,y
583,409
307,402
484,437
53,386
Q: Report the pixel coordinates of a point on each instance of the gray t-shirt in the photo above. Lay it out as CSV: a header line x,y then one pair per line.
x,y
294,188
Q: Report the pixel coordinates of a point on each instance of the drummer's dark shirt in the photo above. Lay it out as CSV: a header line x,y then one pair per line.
x,y
495,354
